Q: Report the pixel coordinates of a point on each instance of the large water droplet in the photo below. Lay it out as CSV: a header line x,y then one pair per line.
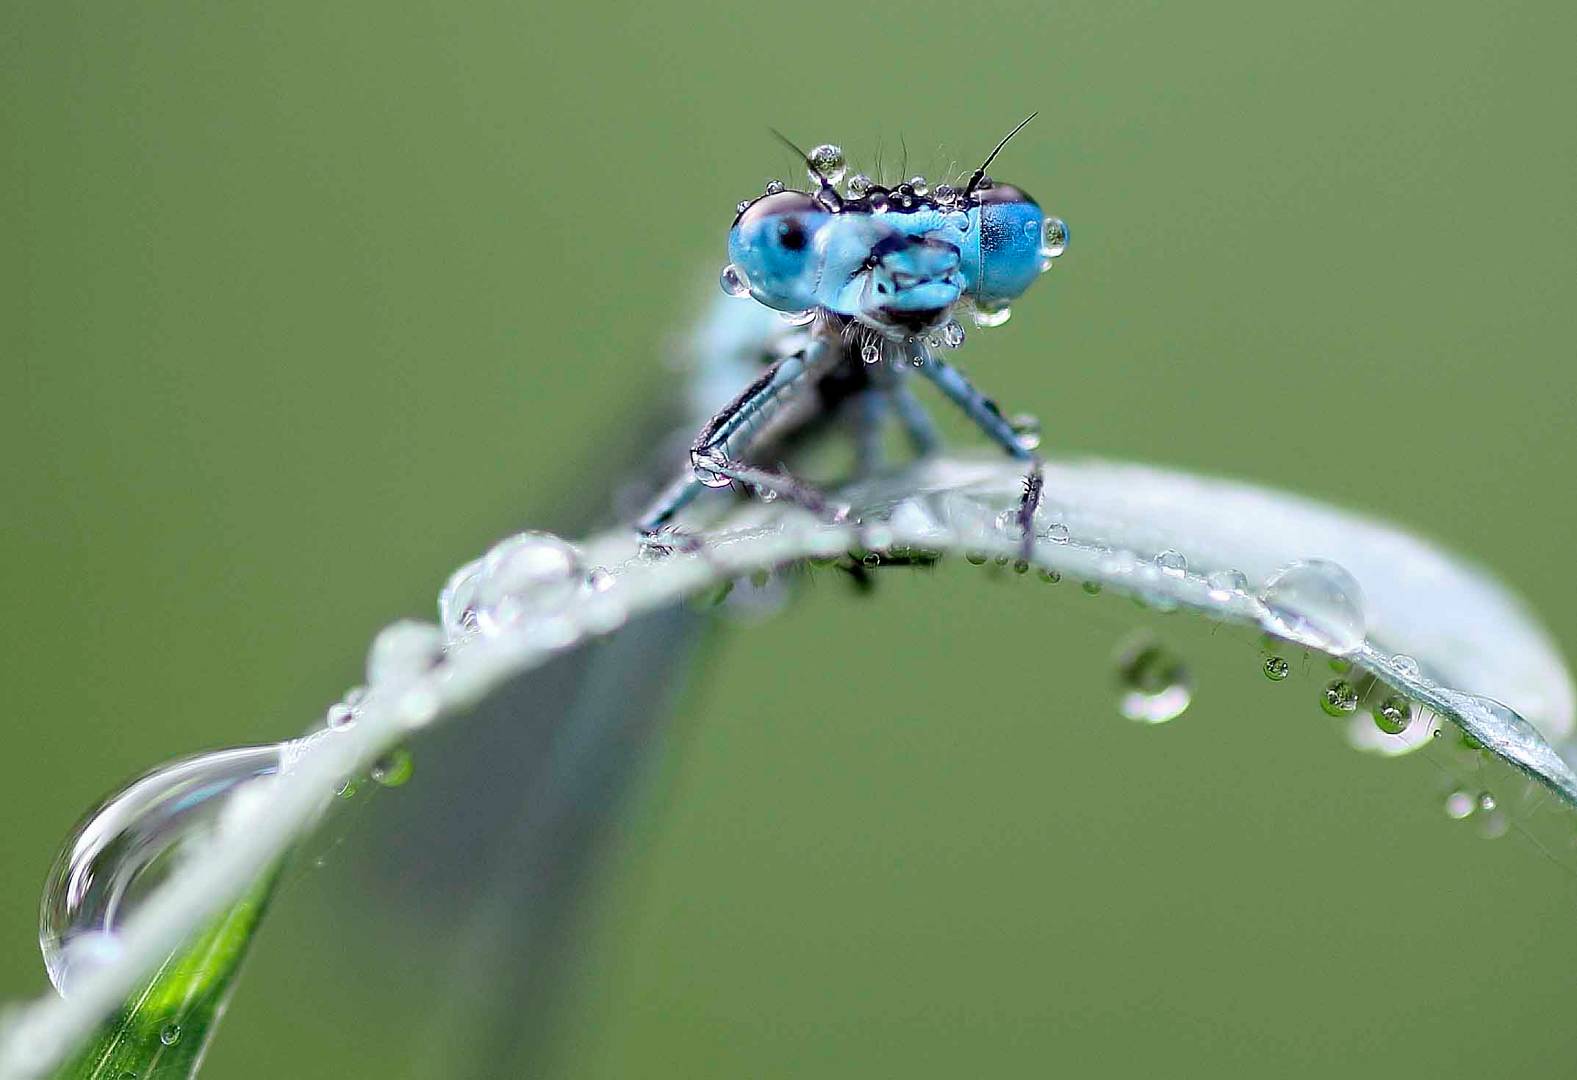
x,y
827,160
1316,603
118,854
1154,684
1054,238
529,574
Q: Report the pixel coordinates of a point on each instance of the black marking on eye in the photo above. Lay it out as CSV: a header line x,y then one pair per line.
x,y
791,234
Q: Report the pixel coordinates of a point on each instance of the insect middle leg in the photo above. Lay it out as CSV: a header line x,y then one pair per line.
x,y
984,412
715,456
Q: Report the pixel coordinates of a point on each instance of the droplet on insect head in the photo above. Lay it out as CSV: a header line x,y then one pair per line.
x,y
706,463
775,187
1460,805
1172,563
870,352
826,160
877,201
734,282
857,187
952,334
945,195
1225,584
1339,699
120,853
1153,683
1317,603
1026,430
918,185
991,317
1054,238
403,651
1392,715
1277,668
903,197
798,318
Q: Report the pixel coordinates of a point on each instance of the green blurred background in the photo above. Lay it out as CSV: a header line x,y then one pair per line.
x,y
302,305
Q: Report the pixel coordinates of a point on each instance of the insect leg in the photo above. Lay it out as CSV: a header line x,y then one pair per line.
x,y
868,411
715,454
984,412
917,423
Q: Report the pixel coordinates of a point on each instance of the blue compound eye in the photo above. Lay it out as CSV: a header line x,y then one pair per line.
x,y
1012,239
772,247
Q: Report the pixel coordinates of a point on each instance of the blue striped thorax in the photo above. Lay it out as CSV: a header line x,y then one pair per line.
x,y
901,261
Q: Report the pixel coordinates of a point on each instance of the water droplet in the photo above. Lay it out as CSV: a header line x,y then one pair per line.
x,y
120,853
798,318
734,281
404,651
952,334
1340,698
1316,603
1277,668
827,160
170,1034
1058,533
1050,577
1406,665
877,201
1154,683
1225,584
918,185
393,768
859,184
528,575
742,205
1459,805
1031,229
985,183
1054,238
600,579
870,352
1392,715
976,558
339,717
1486,801
706,462
1093,588
1172,563
871,560
989,317
775,187
1026,430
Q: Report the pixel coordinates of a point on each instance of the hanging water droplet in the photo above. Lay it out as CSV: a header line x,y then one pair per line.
x,y
1316,603
1392,715
403,651
1058,533
952,334
1172,563
1340,698
1050,577
118,854
857,187
775,187
1406,665
1459,805
734,282
992,317
1277,668
933,338
826,160
798,318
870,352
1225,584
706,463
976,558
1154,683
1026,430
393,768
1054,238
918,185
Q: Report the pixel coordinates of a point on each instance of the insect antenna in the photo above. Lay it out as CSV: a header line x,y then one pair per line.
x,y
826,194
980,173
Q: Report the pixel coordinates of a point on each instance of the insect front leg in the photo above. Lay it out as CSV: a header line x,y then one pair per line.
x,y
984,412
716,455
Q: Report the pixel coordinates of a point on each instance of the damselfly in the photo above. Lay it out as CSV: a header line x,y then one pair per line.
x,y
870,281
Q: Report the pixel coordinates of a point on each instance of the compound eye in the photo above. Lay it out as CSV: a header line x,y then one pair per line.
x,y
771,242
1010,243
